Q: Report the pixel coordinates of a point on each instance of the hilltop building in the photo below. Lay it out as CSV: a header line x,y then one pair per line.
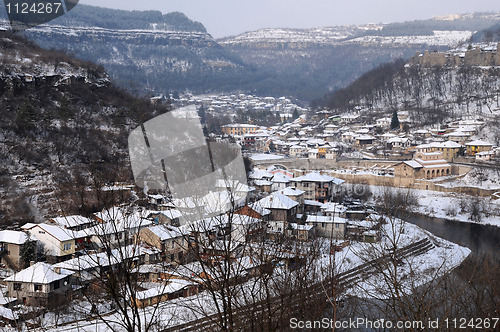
x,y
425,165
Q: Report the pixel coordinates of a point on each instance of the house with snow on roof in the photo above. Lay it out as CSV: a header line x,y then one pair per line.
x,y
298,151
254,211
170,240
280,181
317,153
283,211
327,226
295,194
425,165
166,217
449,149
301,232
319,187
58,243
10,248
74,223
477,146
41,285
485,156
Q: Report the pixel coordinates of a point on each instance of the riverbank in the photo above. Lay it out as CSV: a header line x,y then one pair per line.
x,y
451,206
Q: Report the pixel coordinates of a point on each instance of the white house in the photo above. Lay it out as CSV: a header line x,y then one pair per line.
x,y
280,181
55,240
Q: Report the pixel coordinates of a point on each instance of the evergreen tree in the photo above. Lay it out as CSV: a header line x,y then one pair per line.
x,y
395,120
27,253
295,114
202,114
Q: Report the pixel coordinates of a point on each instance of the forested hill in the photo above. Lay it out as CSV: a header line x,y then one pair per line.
x,y
83,15
432,87
92,16
153,53
144,51
64,127
488,35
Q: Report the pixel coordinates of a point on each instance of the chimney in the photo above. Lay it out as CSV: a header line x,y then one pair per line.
x,y
32,263
57,270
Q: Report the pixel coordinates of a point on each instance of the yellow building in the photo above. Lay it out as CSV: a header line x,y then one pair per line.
x,y
477,146
239,129
449,149
322,152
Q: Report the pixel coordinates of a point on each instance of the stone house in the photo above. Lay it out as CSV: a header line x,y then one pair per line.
x,y
317,186
283,211
172,243
326,226
425,165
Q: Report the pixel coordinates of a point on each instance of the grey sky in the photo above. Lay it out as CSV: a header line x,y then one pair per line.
x,y
231,17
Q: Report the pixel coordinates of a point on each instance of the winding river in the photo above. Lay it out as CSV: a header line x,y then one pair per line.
x,y
479,238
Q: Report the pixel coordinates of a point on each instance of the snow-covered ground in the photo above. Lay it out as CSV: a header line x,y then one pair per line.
x,y
444,257
443,38
265,156
439,260
477,178
449,205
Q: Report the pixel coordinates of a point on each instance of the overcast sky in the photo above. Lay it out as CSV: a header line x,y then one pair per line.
x,y
231,17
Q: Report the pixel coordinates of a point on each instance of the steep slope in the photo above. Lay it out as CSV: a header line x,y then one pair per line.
x,y
143,51
158,53
64,127
491,34
432,87
331,57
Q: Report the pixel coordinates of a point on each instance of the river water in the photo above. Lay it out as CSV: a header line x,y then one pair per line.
x,y
480,239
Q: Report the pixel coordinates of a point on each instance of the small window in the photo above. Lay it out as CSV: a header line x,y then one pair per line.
x,y
38,287
17,286
67,246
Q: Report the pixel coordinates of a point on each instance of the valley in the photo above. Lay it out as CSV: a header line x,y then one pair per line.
x,y
153,178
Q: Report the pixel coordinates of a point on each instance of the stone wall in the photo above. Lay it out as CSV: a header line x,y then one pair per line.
x,y
473,57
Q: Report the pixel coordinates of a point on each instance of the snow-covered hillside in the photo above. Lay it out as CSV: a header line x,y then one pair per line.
x,y
347,35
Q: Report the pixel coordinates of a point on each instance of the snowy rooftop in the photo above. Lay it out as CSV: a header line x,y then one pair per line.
x,y
41,273
413,164
317,177
333,207
277,201
71,221
14,237
171,214
262,183
478,143
165,233
58,232
289,191
281,178
325,219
